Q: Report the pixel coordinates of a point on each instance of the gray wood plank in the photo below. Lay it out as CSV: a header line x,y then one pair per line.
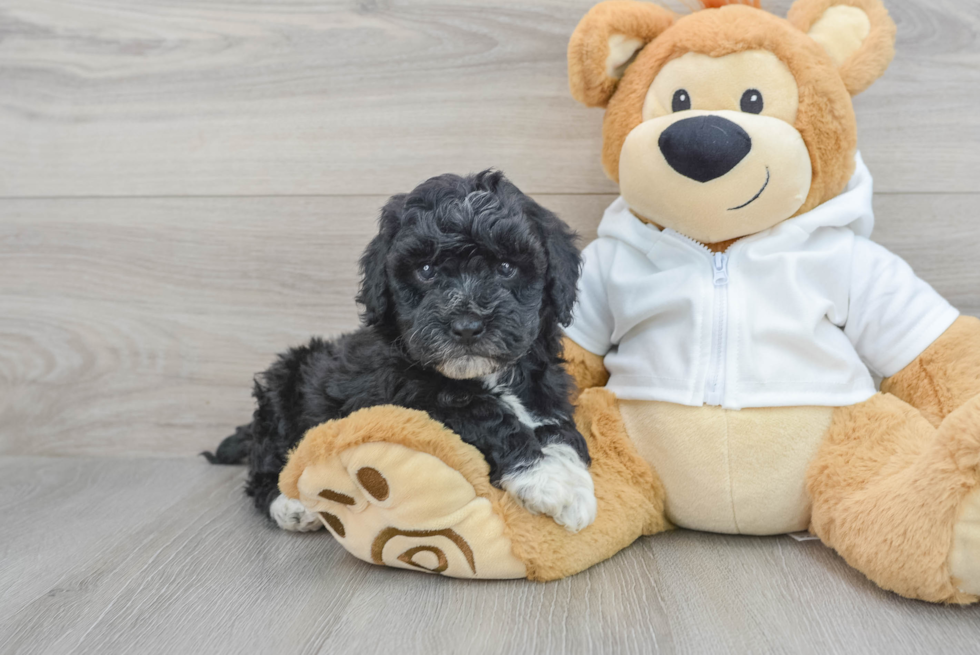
x,y
166,556
135,325
242,97
140,323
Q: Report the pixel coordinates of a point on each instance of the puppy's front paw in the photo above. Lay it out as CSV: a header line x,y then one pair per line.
x,y
290,515
558,485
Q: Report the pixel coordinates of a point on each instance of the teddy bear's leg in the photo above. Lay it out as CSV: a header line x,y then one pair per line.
x,y
629,495
397,488
897,497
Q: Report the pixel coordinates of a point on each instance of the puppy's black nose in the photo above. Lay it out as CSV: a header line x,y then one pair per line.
x,y
704,147
469,328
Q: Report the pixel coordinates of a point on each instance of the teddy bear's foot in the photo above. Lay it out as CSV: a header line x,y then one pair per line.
x,y
390,504
963,426
900,499
964,558
397,488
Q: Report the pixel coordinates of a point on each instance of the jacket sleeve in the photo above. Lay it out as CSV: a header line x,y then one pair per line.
x,y
592,321
893,316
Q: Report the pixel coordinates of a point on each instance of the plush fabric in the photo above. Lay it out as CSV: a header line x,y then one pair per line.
x,y
841,30
964,565
608,27
585,368
736,472
893,481
888,488
825,118
768,183
866,64
744,201
439,511
945,376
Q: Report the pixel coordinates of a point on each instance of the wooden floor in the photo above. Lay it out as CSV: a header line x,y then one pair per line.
x,y
162,556
185,186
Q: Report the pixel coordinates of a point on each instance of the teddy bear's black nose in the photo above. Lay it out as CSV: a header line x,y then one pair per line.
x,y
704,147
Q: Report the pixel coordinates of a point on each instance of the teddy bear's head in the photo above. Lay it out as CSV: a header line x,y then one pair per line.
x,y
724,122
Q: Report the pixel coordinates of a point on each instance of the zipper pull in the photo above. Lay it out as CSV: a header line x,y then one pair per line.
x,y
719,265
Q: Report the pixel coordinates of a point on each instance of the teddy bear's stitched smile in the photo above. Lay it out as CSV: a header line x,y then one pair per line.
x,y
756,196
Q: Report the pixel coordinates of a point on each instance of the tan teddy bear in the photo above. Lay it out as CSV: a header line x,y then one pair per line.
x,y
731,317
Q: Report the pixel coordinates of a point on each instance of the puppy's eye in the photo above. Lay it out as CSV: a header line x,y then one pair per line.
x,y
752,101
506,269
681,101
426,272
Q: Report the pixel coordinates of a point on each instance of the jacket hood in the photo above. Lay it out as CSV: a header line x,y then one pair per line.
x,y
851,209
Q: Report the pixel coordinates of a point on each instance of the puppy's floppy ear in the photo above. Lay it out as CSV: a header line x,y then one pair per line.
x,y
374,293
859,36
606,41
564,260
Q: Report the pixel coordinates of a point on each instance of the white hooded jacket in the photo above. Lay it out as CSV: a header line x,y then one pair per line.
x,y
794,315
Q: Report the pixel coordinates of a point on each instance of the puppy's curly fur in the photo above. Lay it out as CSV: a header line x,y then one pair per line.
x,y
465,289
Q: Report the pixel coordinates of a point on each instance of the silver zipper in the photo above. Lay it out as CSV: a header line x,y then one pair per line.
x,y
714,381
714,384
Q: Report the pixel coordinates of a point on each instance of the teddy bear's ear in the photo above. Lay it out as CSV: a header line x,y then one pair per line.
x,y
859,35
606,41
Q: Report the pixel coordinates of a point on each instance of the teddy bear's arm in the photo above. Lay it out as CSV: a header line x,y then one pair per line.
x,y
586,368
945,375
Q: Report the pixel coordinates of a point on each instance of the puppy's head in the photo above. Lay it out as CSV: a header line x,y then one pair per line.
x,y
470,275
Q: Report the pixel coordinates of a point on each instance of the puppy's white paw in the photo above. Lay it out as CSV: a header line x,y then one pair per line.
x,y
290,515
558,485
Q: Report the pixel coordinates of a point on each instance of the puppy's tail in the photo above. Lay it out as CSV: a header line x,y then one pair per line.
x,y
234,448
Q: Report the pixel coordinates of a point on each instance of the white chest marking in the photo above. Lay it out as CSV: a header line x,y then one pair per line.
x,y
518,409
513,403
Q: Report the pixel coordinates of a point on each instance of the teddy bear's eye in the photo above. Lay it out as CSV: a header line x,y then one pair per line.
x,y
681,100
752,101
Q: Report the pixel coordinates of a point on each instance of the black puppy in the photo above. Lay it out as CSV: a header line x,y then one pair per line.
x,y
465,289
